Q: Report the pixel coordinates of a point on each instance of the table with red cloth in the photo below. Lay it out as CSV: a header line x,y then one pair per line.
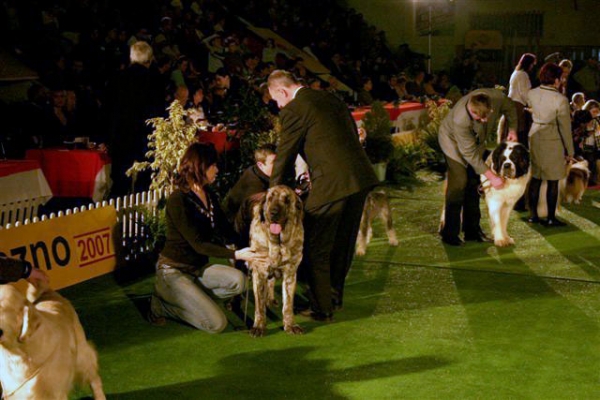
x,y
404,116
75,173
23,180
222,140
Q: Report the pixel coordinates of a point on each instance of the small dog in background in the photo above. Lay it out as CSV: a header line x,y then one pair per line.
x,y
376,204
571,188
574,186
43,348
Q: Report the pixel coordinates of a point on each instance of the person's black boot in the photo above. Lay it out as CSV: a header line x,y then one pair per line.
x,y
534,196
552,200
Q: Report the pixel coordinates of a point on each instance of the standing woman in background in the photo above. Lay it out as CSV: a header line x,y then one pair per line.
x,y
519,86
550,141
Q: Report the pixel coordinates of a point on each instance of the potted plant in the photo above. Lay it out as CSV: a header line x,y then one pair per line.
x,y
378,145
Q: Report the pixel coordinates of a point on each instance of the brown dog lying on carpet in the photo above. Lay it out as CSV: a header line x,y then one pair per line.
x,y
276,228
377,204
43,348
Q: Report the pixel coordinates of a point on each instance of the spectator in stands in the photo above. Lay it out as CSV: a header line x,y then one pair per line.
x,y
577,102
178,75
266,100
519,87
551,120
387,92
429,85
135,96
216,55
197,229
591,144
164,42
198,106
11,270
581,126
415,87
61,125
364,96
588,78
182,95
567,67
269,51
33,117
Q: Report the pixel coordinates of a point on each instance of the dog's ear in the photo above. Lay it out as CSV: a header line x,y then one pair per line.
x,y
520,156
30,322
261,208
498,151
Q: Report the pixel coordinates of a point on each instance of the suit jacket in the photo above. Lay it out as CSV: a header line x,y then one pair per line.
x,y
463,139
320,128
550,134
252,181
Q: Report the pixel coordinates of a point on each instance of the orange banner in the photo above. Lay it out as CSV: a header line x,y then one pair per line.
x,y
70,249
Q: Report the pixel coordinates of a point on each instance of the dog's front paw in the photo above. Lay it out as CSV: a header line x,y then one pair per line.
x,y
360,251
257,332
294,330
393,242
504,242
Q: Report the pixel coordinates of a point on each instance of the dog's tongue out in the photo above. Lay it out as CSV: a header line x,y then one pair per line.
x,y
275,229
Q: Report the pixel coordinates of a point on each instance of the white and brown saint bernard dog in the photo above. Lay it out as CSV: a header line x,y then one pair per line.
x,y
509,160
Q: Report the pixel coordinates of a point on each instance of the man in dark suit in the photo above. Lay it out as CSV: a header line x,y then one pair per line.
x,y
319,127
463,134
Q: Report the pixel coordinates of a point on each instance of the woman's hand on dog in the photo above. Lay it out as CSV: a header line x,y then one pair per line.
x,y
247,254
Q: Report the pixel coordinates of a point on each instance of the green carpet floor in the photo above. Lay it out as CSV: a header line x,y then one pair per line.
x,y
421,321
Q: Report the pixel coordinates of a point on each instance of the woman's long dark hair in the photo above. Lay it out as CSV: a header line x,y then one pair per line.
x,y
526,61
195,162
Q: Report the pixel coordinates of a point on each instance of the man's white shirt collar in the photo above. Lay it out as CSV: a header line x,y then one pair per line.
x,y
296,91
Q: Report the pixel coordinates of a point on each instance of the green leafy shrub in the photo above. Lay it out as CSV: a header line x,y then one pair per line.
x,y
406,160
379,147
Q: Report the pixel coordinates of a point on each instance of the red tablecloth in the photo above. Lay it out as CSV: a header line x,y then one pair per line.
x,y
75,173
219,139
394,111
22,180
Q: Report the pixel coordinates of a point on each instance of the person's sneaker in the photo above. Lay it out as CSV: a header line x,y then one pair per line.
x,y
533,220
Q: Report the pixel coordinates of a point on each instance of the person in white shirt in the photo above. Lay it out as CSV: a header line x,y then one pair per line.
x,y
519,86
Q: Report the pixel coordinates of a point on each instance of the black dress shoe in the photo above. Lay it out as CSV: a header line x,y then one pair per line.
x,y
452,241
533,220
479,237
321,317
337,305
553,222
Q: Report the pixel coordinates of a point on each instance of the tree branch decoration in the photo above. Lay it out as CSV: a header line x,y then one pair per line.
x,y
167,144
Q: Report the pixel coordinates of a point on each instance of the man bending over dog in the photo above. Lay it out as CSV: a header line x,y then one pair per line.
x,y
319,127
462,137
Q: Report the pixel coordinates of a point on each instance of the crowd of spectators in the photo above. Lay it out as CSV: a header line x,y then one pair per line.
x,y
204,55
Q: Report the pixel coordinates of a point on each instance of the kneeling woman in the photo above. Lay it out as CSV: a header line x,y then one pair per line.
x,y
196,230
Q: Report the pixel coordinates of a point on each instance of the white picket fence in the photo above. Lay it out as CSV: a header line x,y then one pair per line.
x,y
130,220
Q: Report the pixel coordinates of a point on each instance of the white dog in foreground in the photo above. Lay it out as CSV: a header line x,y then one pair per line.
x,y
43,349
